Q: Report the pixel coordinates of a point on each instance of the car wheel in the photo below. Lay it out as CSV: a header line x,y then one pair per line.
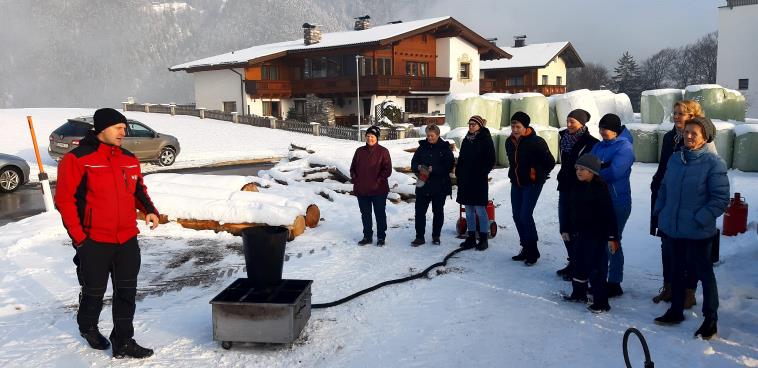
x,y
10,179
167,156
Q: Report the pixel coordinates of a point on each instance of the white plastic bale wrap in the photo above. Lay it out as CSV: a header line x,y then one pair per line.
x,y
724,141
490,108
624,107
746,147
553,114
579,99
646,148
605,101
551,137
533,104
656,105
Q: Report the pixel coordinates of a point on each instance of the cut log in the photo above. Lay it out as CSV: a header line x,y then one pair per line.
x,y
338,175
295,147
296,229
250,187
162,219
312,216
404,169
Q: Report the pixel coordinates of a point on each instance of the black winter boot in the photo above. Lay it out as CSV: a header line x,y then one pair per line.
x,y
614,289
579,292
670,318
565,272
521,256
130,348
482,245
470,241
532,254
707,330
95,339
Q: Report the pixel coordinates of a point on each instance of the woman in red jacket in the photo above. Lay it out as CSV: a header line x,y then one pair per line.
x,y
369,171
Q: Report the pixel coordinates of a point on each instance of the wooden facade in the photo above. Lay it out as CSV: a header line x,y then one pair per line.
x,y
516,81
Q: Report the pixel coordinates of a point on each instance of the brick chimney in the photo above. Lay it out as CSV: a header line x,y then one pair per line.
x,y
311,34
520,41
362,23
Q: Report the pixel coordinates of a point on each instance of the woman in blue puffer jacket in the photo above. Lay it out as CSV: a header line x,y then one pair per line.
x,y
694,193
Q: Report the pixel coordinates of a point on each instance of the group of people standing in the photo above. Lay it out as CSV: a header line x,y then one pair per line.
x,y
690,190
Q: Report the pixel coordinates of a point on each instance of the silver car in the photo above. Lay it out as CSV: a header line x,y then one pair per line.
x,y
14,172
145,143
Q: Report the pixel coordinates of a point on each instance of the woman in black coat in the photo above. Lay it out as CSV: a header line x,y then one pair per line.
x,y
530,163
476,160
575,141
432,162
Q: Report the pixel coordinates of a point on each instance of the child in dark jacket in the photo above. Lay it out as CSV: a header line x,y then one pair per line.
x,y
591,227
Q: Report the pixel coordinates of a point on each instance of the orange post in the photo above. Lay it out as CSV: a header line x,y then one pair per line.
x,y
34,140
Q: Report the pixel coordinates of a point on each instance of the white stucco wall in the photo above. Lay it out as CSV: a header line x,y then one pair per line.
x,y
738,52
214,87
556,68
450,52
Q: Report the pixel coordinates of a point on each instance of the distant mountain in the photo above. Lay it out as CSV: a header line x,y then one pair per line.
x,y
84,53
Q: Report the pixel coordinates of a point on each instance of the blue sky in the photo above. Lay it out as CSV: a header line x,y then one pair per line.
x,y
600,30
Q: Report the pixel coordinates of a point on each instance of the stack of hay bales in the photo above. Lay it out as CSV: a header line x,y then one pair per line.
x,y
724,141
459,108
533,104
553,114
551,137
746,147
502,155
657,105
646,136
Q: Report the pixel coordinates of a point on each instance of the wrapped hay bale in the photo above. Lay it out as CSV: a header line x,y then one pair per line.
x,y
724,141
605,101
624,107
579,99
457,135
459,108
502,156
533,104
505,113
489,108
645,143
656,105
551,137
553,115
746,147
735,105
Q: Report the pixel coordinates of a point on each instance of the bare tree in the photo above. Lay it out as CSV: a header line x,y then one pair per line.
x,y
592,76
657,69
696,63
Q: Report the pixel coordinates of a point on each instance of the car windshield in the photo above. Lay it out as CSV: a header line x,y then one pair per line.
x,y
73,129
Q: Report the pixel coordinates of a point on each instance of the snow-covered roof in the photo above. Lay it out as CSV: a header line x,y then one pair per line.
x,y
373,35
535,55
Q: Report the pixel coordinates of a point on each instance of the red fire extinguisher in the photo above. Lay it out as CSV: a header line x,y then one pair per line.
x,y
735,218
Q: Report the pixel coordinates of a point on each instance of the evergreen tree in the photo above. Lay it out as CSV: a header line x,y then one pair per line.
x,y
627,79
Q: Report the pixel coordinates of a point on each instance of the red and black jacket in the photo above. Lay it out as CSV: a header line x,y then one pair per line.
x,y
99,189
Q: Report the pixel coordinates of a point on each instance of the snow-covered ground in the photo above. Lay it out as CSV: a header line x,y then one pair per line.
x,y
483,310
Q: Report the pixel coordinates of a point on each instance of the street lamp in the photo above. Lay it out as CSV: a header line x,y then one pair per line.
x,y
358,92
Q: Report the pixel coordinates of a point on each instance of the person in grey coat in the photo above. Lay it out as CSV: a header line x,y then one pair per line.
x,y
693,194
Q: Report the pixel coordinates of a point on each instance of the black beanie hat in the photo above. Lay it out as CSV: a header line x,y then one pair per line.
x,y
709,130
522,118
106,117
373,130
580,116
589,162
611,122
479,120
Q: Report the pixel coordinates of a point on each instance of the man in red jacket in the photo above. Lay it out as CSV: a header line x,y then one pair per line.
x,y
98,193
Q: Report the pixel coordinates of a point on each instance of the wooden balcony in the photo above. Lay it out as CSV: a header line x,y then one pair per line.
x,y
500,86
375,84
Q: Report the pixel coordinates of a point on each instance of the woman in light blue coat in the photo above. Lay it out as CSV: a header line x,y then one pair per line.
x,y
694,193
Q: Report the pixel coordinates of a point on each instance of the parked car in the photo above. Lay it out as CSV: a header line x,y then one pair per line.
x,y
14,172
147,144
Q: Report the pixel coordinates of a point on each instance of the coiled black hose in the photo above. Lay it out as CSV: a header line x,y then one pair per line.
x,y
421,274
648,363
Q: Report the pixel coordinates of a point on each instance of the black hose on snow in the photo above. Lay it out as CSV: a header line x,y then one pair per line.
x,y
421,274
648,363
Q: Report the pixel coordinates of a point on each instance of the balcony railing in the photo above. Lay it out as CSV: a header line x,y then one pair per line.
x,y
501,86
375,84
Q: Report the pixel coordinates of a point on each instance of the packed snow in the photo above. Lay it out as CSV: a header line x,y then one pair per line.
x,y
481,310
